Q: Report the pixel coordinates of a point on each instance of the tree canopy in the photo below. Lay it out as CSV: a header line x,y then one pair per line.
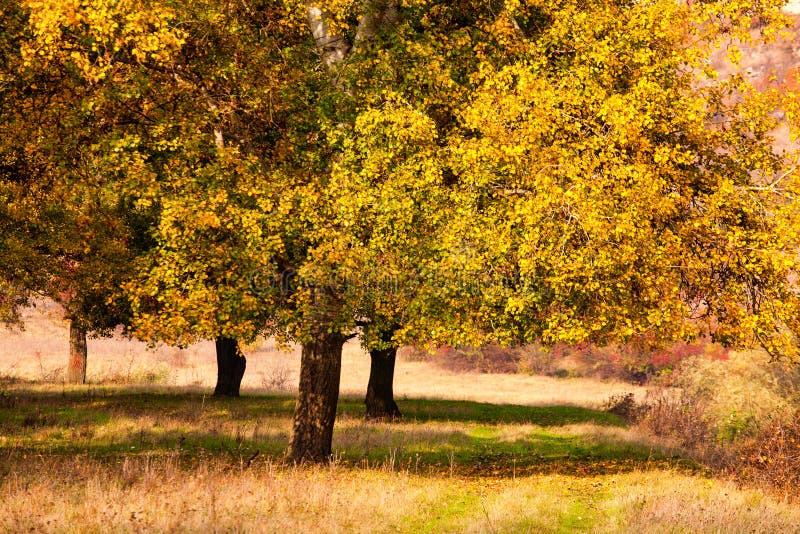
x,y
447,172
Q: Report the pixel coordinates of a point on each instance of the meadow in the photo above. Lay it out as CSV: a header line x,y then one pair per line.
x,y
144,448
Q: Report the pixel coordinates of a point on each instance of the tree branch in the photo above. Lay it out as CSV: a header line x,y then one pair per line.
x,y
332,47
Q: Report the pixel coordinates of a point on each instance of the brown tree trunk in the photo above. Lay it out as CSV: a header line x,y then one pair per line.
x,y
76,370
231,364
315,412
380,390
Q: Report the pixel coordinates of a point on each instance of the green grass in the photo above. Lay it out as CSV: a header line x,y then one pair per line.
x,y
435,436
479,412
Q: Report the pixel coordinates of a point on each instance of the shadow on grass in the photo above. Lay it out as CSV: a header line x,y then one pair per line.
x,y
483,451
69,403
481,412
435,437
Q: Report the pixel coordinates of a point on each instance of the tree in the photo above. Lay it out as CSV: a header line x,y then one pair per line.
x,y
637,196
379,399
216,232
589,191
376,194
70,235
184,108
442,172
183,112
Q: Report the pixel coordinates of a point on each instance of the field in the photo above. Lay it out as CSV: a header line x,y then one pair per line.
x,y
144,448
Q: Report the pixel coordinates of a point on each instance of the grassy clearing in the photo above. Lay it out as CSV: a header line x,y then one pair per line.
x,y
434,433
143,449
88,459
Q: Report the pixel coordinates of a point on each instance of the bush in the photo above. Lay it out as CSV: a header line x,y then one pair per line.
x,y
681,419
625,406
629,363
411,353
734,399
149,375
488,359
738,416
635,362
771,459
742,395
492,358
534,359
7,400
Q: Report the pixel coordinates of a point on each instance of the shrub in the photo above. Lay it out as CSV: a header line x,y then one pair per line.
x,y
149,375
7,400
411,353
740,395
489,359
636,362
625,406
632,363
681,419
771,459
738,416
535,359
279,379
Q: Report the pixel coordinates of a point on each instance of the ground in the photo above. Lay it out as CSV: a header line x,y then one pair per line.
x,y
145,448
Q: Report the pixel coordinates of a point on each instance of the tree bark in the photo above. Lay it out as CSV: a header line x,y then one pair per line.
x,y
332,45
231,364
76,371
377,14
315,412
380,390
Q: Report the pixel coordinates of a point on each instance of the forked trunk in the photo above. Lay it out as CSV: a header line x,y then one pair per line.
x,y
231,364
315,412
380,390
76,371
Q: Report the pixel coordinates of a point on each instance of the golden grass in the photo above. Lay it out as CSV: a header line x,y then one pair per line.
x,y
156,463
503,389
141,493
653,502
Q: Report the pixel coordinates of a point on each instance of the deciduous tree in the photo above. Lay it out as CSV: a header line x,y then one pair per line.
x,y
70,235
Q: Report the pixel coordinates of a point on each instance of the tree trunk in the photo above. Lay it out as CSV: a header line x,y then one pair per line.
x,y
231,364
76,371
380,390
315,412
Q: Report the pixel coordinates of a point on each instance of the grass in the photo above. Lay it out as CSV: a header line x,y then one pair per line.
x,y
39,354
99,459
119,456
434,433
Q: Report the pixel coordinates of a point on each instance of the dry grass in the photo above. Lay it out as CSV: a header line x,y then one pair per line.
x,y
141,494
161,456
519,389
658,502
120,461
